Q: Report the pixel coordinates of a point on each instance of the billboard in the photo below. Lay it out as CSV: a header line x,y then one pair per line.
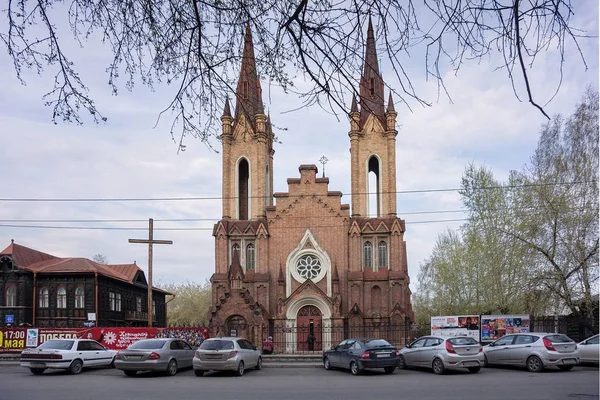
x,y
455,325
496,326
13,340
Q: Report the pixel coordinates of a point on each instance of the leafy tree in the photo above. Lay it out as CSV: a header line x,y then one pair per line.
x,y
100,259
191,304
533,239
196,46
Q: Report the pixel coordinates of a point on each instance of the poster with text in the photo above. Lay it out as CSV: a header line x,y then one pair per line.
x,y
455,325
495,326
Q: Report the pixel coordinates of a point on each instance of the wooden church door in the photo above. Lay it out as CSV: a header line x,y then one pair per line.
x,y
309,328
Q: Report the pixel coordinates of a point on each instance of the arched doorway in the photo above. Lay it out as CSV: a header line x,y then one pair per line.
x,y
310,329
236,326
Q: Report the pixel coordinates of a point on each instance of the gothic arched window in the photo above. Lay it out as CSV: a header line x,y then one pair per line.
x,y
382,255
367,255
11,296
79,297
43,303
250,257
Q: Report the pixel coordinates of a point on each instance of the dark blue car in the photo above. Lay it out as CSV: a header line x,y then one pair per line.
x,y
359,354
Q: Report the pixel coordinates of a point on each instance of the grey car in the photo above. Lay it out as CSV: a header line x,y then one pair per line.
x,y
226,354
166,355
588,350
535,351
441,353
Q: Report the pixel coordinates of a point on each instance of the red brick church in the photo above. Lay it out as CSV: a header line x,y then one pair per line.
x,y
301,263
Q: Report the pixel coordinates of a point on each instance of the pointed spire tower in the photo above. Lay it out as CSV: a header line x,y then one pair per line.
x,y
372,141
247,140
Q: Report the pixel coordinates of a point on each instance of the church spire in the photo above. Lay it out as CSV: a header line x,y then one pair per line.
x,y
248,92
371,82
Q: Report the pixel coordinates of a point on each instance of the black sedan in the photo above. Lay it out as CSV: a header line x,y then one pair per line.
x,y
358,354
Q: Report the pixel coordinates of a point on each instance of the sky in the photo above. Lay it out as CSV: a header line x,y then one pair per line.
x,y
133,156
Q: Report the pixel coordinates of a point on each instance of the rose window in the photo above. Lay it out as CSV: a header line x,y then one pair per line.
x,y
309,267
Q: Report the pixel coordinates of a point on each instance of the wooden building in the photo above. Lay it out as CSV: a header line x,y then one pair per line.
x,y
39,289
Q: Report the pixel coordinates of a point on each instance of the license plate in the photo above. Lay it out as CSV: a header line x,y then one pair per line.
x,y
38,365
383,355
471,363
569,361
135,357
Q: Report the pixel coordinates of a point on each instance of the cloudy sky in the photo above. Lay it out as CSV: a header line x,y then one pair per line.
x,y
130,157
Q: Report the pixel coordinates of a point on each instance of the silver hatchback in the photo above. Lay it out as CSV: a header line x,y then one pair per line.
x,y
441,353
226,354
535,351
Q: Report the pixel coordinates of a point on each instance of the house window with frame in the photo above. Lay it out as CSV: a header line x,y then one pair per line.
x,y
138,304
111,301
79,297
11,296
250,257
382,259
235,249
153,307
44,298
367,255
118,302
61,297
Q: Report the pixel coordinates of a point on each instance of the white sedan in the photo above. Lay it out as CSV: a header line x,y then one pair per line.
x,y
70,354
588,350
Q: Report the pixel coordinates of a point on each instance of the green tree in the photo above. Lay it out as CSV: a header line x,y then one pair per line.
x,y
531,244
312,49
191,304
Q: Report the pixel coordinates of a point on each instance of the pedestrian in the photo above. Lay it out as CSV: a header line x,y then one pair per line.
x,y
311,342
267,345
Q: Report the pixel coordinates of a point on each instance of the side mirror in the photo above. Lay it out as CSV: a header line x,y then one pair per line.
x,y
255,348
491,344
333,348
408,346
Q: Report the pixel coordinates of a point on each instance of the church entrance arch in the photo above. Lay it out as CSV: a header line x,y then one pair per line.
x,y
310,329
236,325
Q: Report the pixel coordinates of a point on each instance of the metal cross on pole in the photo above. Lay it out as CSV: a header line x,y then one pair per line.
x,y
323,160
150,242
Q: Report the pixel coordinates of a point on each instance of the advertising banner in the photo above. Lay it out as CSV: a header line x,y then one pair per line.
x,y
496,326
455,325
13,340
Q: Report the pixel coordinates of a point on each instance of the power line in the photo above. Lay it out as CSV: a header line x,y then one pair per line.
x,y
132,199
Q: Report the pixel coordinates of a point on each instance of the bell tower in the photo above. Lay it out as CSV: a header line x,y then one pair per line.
x,y
247,140
372,142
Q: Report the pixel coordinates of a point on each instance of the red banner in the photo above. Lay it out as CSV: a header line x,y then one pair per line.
x,y
13,340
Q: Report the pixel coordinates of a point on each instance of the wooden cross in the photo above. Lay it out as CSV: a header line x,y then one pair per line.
x,y
150,242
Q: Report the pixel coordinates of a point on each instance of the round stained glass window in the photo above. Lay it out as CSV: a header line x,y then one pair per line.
x,y
308,267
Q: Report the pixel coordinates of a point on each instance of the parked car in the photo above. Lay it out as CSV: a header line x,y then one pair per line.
x,y
588,350
70,354
535,351
165,355
226,354
442,353
358,354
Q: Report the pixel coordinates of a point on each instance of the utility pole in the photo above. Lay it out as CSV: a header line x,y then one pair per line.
x,y
150,242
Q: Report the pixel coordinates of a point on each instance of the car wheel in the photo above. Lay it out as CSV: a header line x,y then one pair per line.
x,y
402,363
259,364
172,368
198,372
37,371
389,370
474,370
438,367
354,368
565,367
534,364
130,373
76,367
240,369
326,364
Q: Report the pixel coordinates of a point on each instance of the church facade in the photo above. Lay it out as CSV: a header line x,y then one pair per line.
x,y
300,265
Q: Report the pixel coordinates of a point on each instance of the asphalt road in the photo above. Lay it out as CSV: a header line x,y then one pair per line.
x,y
18,383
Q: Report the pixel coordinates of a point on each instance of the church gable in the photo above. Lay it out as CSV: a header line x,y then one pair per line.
x,y
307,289
373,126
242,130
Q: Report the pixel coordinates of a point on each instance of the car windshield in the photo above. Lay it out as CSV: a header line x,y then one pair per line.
x,y
462,341
558,339
57,345
217,345
150,344
371,343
